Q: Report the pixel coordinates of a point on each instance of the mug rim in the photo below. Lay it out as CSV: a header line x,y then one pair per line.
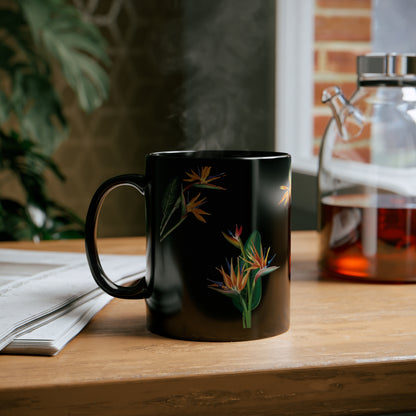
x,y
219,154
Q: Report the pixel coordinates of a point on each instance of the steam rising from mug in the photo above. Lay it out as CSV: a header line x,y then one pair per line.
x,y
226,99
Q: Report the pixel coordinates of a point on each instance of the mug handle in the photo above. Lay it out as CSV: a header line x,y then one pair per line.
x,y
140,289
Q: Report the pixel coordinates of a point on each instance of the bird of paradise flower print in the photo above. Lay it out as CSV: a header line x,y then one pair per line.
x,y
180,199
241,281
287,193
193,207
202,178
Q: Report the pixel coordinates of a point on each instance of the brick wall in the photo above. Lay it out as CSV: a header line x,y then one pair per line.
x,y
342,32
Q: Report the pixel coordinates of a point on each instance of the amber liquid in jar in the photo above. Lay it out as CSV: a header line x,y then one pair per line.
x,y
371,238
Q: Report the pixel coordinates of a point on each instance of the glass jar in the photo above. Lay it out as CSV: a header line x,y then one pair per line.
x,y
367,174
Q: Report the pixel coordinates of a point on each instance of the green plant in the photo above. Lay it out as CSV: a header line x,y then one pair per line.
x,y
37,38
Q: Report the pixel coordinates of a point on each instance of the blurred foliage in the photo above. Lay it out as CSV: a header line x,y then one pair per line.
x,y
36,38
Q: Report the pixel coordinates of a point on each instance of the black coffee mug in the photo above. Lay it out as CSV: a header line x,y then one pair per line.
x,y
218,244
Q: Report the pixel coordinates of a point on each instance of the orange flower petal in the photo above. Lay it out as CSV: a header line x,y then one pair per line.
x,y
199,214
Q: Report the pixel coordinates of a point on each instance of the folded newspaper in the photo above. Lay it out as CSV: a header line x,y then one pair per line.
x,y
46,298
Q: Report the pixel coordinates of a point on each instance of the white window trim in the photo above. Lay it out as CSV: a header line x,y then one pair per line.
x,y
294,82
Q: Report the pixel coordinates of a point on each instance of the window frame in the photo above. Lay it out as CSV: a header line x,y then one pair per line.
x,y
294,83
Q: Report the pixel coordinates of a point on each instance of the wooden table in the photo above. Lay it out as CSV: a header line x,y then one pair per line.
x,y
351,349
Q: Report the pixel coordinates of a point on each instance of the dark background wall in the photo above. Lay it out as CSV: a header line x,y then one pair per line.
x,y
184,74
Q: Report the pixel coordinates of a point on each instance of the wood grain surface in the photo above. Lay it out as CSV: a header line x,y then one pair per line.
x,y
351,349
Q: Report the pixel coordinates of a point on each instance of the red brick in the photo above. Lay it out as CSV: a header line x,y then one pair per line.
x,y
319,125
341,61
344,28
344,4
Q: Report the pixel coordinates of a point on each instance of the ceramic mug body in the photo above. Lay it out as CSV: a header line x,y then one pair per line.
x,y
218,244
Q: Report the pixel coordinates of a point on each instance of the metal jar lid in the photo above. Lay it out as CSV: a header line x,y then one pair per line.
x,y
387,68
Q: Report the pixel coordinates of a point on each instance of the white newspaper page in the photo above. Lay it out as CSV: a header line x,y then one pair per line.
x,y
46,298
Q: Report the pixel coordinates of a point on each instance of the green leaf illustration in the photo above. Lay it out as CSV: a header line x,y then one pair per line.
x,y
170,198
238,302
253,241
256,294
